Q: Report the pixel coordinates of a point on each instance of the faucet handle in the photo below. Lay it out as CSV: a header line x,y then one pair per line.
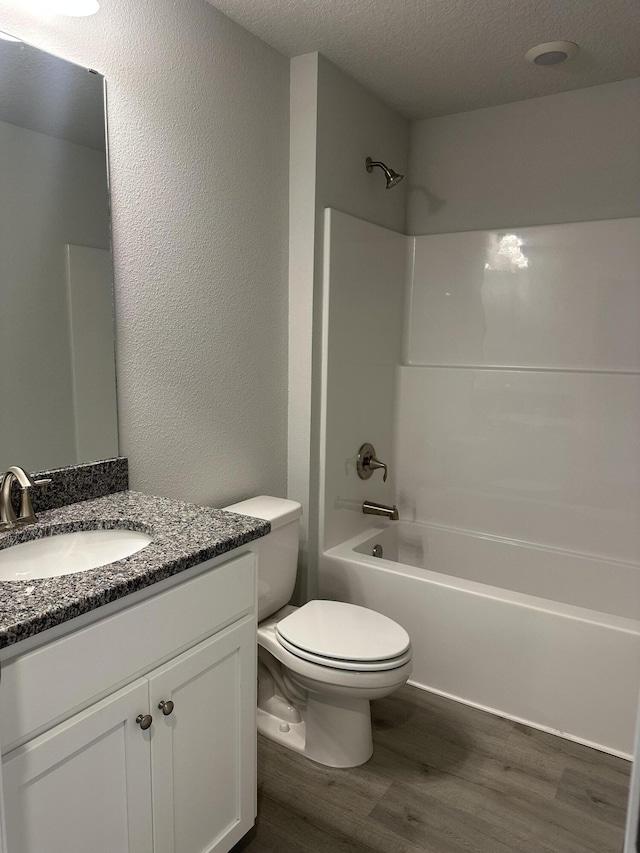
x,y
26,513
367,462
375,463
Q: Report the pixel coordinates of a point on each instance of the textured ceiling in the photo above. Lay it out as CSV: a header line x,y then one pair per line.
x,y
435,57
49,95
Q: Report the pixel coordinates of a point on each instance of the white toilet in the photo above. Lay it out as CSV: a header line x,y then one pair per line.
x,y
319,664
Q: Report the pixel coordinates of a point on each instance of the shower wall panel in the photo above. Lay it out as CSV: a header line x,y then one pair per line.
x,y
364,271
550,458
557,296
519,401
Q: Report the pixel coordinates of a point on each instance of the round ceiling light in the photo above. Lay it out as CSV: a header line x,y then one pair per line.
x,y
75,8
552,52
69,8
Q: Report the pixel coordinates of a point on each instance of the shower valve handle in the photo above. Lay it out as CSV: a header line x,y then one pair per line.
x,y
367,462
374,464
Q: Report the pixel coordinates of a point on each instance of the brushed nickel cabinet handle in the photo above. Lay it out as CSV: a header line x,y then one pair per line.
x,y
166,707
144,721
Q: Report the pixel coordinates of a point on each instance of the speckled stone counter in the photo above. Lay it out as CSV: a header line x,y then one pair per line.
x,y
80,483
183,536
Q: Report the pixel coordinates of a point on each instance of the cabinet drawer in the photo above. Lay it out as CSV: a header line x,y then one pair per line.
x,y
43,686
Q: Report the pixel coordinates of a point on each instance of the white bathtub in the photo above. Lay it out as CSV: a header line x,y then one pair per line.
x,y
557,648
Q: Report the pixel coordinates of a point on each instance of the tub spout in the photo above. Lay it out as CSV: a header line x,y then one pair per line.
x,y
390,512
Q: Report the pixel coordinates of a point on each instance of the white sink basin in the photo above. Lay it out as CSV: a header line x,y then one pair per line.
x,y
53,556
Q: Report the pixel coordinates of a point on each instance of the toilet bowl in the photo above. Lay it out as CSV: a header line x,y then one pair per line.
x,y
319,665
330,695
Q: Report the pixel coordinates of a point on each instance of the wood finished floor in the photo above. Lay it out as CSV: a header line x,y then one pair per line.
x,y
444,778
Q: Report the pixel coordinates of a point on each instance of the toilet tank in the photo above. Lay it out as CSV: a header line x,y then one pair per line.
x,y
277,552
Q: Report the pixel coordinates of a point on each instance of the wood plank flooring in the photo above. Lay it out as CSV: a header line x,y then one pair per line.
x,y
444,778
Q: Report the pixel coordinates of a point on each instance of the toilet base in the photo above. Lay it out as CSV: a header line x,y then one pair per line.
x,y
291,735
336,734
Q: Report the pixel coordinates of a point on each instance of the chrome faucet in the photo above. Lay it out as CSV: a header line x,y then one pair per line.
x,y
390,512
8,519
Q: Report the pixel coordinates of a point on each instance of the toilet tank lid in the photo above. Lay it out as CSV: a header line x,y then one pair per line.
x,y
278,511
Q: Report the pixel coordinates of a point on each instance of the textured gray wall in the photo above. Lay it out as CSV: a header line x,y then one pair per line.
x,y
198,128
353,125
563,158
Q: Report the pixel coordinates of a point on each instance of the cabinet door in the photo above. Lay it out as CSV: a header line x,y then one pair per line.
x,y
86,784
203,754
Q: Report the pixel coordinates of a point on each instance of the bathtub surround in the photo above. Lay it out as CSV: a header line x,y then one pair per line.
x,y
548,458
199,235
557,297
518,408
514,461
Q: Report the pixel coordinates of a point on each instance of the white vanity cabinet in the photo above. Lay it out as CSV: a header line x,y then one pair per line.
x,y
85,785
203,753
97,781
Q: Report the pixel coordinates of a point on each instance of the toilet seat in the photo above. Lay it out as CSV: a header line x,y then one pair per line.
x,y
349,665
344,636
334,678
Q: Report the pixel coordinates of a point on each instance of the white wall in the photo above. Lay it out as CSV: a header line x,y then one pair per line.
x,y
198,131
562,158
335,125
52,192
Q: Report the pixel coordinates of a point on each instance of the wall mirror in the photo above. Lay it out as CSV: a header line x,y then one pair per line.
x,y
57,364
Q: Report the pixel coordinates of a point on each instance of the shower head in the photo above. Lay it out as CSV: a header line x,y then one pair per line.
x,y
392,177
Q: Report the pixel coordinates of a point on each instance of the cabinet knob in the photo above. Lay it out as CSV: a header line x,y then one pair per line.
x,y
144,721
166,707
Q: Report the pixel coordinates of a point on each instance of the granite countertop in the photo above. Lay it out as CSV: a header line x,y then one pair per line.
x,y
183,536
